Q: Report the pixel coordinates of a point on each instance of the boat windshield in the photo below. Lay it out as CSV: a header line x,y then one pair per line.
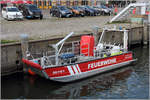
x,y
12,10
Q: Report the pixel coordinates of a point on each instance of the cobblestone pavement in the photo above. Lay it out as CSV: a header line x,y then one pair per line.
x,y
50,27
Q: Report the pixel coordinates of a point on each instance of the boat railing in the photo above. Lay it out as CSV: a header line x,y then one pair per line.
x,y
35,55
80,54
82,57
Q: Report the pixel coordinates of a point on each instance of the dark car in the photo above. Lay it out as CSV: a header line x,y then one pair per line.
x,y
99,10
96,12
60,11
30,11
88,12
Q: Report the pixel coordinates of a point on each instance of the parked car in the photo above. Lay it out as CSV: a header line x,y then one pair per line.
x,y
60,11
11,13
105,10
88,12
96,12
109,9
30,11
77,11
99,10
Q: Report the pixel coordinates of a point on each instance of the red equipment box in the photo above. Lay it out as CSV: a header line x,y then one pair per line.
x,y
87,45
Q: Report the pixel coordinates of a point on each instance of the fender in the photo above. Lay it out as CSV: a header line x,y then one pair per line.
x,y
32,64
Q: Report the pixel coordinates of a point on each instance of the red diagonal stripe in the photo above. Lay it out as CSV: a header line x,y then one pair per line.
x,y
73,70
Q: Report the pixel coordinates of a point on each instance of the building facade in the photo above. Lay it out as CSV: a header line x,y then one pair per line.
x,y
46,4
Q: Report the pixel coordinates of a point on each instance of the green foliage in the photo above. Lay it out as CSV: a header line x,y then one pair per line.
x,y
7,41
118,22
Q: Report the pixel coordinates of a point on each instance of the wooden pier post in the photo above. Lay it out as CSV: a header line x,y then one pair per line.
x,y
145,32
24,47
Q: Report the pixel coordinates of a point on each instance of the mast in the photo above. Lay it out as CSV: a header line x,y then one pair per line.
x,y
125,40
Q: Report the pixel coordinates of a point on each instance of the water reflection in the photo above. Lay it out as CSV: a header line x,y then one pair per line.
x,y
79,89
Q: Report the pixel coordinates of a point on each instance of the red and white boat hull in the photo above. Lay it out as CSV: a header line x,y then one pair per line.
x,y
82,69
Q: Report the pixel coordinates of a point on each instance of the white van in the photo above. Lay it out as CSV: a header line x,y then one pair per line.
x,y
11,13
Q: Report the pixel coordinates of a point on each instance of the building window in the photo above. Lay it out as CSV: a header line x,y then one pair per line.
x,y
35,2
68,2
58,2
40,3
45,3
49,3
75,2
84,2
98,2
92,2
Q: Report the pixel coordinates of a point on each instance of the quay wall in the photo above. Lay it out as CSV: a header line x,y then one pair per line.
x,y
11,54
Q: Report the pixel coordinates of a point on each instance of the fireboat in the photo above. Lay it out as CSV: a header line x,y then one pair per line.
x,y
80,59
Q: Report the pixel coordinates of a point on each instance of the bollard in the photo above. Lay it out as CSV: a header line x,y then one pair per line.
x,y
24,45
95,34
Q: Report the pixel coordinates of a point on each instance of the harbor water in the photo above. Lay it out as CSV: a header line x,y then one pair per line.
x,y
128,82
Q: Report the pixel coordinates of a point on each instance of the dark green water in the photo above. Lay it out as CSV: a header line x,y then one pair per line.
x,y
129,82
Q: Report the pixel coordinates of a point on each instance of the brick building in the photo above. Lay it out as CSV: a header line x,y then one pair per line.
x,y
46,4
